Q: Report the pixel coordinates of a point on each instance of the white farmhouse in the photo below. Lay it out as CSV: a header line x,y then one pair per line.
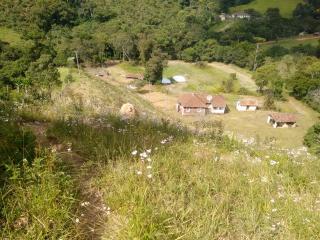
x,y
282,120
247,105
201,104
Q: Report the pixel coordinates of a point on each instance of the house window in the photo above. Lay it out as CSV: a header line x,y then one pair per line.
x,y
199,110
188,110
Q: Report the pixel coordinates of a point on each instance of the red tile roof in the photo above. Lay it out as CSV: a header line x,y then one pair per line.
x,y
200,100
248,102
218,101
192,100
283,117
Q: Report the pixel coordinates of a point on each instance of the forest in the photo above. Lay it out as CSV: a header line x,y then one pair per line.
x,y
99,30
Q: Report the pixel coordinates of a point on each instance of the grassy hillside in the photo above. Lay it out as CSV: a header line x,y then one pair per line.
x,y
159,182
292,42
89,95
155,179
286,6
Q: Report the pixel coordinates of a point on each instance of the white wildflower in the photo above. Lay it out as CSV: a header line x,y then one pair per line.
x,y
272,162
143,155
139,172
149,151
149,159
272,200
134,152
69,149
85,204
77,220
149,175
264,179
274,210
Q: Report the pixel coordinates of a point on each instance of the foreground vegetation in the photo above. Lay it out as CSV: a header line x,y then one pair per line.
x,y
174,185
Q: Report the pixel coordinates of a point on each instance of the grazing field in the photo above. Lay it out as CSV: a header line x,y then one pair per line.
x,y
292,42
286,6
198,78
242,125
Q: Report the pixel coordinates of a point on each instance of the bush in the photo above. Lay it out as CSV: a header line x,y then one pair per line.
x,y
244,91
312,139
269,103
16,144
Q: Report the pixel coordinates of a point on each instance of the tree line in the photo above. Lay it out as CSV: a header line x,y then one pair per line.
x,y
144,31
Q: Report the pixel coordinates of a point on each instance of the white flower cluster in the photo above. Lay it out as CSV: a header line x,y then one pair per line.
x,y
167,140
145,162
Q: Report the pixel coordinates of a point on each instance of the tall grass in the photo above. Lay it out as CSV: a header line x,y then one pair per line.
x,y
37,201
195,187
109,137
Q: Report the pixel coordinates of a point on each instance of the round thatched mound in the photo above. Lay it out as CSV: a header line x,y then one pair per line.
x,y
128,111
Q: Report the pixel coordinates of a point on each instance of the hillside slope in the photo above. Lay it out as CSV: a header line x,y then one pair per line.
x,y
286,6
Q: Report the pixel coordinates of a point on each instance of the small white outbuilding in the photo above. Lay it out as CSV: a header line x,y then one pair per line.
x,y
179,79
247,105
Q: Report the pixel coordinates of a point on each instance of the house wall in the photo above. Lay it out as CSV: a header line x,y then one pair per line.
x,y
275,124
285,125
269,119
245,108
191,111
217,110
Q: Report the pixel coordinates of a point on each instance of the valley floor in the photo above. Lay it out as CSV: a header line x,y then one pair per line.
x,y
243,125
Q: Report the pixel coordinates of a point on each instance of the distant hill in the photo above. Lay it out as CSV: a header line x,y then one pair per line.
x,y
286,6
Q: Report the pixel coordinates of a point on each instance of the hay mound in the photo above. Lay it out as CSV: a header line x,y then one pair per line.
x,y
128,111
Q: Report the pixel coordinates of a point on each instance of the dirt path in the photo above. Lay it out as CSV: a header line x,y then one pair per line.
x,y
91,212
244,78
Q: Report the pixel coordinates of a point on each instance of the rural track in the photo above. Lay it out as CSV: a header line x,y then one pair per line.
x,y
91,211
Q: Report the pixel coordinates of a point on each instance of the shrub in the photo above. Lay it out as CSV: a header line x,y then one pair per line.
x,y
16,144
312,139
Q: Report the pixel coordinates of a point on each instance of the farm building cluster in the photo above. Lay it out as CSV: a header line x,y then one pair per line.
x,y
200,104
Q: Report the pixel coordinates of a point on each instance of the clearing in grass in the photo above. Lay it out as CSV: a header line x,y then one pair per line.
x,y
286,6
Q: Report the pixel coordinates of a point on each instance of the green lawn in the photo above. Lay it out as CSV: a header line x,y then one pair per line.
x,y
292,42
206,79
286,6
131,68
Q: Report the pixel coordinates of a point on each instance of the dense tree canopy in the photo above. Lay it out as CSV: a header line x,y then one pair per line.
x,y
97,30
